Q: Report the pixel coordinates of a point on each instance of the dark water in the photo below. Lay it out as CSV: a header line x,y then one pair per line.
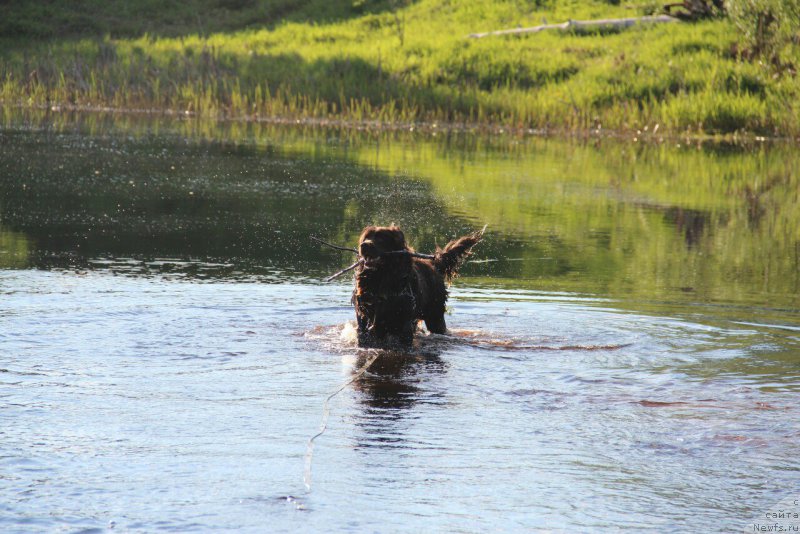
x,y
624,354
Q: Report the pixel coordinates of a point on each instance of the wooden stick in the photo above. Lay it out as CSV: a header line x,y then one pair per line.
x,y
337,247
412,254
580,25
425,256
340,273
390,253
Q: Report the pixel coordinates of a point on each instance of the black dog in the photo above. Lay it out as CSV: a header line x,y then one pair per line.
x,y
396,287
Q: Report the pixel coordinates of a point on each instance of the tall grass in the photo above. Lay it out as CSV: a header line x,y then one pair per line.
x,y
415,63
767,27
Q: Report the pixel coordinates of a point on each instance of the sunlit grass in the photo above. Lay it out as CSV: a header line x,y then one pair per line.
x,y
416,64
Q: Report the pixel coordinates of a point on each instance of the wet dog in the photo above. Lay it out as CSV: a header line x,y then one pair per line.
x,y
396,288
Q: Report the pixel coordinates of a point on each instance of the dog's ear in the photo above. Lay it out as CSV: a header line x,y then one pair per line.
x,y
365,232
398,237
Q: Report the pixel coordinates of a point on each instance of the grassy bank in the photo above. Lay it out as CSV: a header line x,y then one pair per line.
x,y
393,62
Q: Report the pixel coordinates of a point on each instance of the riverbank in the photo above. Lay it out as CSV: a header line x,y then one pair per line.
x,y
396,64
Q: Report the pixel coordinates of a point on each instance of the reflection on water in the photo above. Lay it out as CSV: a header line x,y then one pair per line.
x,y
657,222
623,354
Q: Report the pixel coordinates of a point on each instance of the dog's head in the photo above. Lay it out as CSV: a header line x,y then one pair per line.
x,y
377,240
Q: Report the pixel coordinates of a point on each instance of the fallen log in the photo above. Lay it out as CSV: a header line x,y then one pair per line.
x,y
581,25
693,10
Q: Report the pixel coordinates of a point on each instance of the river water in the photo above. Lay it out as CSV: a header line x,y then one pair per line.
x,y
624,350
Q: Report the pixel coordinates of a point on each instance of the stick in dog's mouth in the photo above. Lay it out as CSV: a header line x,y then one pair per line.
x,y
370,262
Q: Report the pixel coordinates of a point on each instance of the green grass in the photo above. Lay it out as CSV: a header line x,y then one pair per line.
x,y
392,62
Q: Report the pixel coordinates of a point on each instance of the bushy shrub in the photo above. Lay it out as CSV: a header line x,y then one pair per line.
x,y
766,27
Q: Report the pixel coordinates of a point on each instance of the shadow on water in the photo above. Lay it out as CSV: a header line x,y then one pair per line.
x,y
399,379
390,385
199,210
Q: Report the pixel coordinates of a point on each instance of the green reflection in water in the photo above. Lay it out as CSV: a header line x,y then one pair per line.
x,y
13,249
655,222
716,222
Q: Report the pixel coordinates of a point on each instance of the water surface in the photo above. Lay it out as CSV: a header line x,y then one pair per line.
x,y
624,354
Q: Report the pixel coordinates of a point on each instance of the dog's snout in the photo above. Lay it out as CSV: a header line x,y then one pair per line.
x,y
367,248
